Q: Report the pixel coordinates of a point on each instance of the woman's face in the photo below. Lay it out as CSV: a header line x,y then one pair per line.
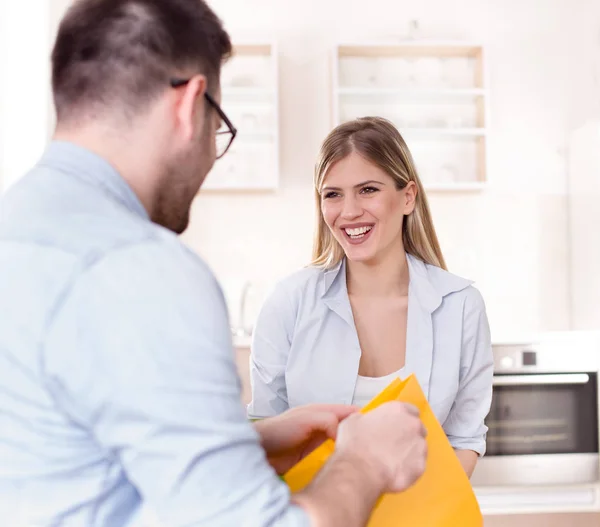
x,y
363,208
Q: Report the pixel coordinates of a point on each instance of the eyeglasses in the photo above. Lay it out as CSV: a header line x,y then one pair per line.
x,y
225,135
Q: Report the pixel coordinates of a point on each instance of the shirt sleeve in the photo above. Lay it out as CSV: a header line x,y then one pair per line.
x,y
271,342
140,354
465,425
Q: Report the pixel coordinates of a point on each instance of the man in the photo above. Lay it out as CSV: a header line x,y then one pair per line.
x,y
117,379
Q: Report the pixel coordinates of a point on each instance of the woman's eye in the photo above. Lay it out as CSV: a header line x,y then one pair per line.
x,y
369,190
331,194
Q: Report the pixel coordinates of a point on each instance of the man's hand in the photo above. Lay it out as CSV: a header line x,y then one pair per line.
x,y
288,437
390,440
384,450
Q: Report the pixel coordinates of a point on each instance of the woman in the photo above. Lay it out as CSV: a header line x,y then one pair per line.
x,y
377,302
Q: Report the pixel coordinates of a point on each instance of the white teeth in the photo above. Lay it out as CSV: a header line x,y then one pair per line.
x,y
359,231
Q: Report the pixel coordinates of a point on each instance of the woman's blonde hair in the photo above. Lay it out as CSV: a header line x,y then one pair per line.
x,y
378,141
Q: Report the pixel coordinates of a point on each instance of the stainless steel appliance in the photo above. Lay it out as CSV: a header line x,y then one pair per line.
x,y
543,423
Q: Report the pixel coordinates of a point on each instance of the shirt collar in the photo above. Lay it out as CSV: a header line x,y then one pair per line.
x,y
336,275
87,166
430,284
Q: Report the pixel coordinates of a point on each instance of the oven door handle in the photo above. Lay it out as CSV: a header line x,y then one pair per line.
x,y
541,378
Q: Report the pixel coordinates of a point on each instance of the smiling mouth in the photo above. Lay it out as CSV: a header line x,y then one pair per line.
x,y
357,233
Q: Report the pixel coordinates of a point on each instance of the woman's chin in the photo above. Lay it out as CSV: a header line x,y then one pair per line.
x,y
360,252
359,255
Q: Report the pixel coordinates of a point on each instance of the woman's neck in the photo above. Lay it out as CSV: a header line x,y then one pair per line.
x,y
387,277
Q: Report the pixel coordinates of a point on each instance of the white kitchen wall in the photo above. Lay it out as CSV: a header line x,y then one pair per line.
x,y
511,238
584,167
24,94
27,31
585,66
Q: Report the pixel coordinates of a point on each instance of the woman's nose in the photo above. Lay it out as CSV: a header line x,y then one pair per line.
x,y
351,209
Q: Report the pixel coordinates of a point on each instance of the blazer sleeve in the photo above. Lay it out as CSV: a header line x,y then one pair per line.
x,y
271,342
465,425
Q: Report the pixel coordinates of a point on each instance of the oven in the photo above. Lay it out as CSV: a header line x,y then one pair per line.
x,y
543,421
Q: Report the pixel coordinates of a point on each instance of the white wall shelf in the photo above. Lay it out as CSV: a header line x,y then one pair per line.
x,y
247,93
477,132
435,92
407,92
250,98
457,187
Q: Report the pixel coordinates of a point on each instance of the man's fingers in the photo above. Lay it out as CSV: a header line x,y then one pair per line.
x,y
325,418
341,411
411,409
325,422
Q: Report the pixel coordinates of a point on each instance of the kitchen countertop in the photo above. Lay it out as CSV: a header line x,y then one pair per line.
x,y
538,499
497,501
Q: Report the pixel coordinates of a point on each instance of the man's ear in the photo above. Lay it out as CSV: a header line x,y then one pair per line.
x,y
190,102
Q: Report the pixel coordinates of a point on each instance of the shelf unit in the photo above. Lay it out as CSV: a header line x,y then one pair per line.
x,y
423,92
250,98
435,92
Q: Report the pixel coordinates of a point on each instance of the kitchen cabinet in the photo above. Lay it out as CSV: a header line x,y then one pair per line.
x,y
436,95
583,220
250,98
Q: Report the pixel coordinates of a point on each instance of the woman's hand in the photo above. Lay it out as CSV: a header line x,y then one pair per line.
x,y
289,437
468,459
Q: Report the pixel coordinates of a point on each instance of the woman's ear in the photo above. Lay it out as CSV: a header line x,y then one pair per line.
x,y
410,197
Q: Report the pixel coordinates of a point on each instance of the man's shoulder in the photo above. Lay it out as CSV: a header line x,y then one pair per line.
x,y
158,252
89,231
48,212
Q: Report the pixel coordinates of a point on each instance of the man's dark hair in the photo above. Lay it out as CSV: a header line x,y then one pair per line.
x,y
119,54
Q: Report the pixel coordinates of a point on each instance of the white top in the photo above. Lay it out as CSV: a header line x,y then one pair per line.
x,y
368,387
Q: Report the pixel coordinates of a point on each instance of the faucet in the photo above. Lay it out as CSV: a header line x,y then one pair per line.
x,y
242,329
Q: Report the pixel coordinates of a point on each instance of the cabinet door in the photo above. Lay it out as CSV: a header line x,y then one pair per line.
x,y
584,218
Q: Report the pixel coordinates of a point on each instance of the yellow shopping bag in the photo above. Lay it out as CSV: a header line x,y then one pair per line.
x,y
442,497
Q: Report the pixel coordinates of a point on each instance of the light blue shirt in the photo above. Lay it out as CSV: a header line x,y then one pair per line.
x,y
118,383
305,347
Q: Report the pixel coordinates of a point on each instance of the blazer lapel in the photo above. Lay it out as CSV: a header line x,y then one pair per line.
x,y
427,287
335,294
346,348
423,300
